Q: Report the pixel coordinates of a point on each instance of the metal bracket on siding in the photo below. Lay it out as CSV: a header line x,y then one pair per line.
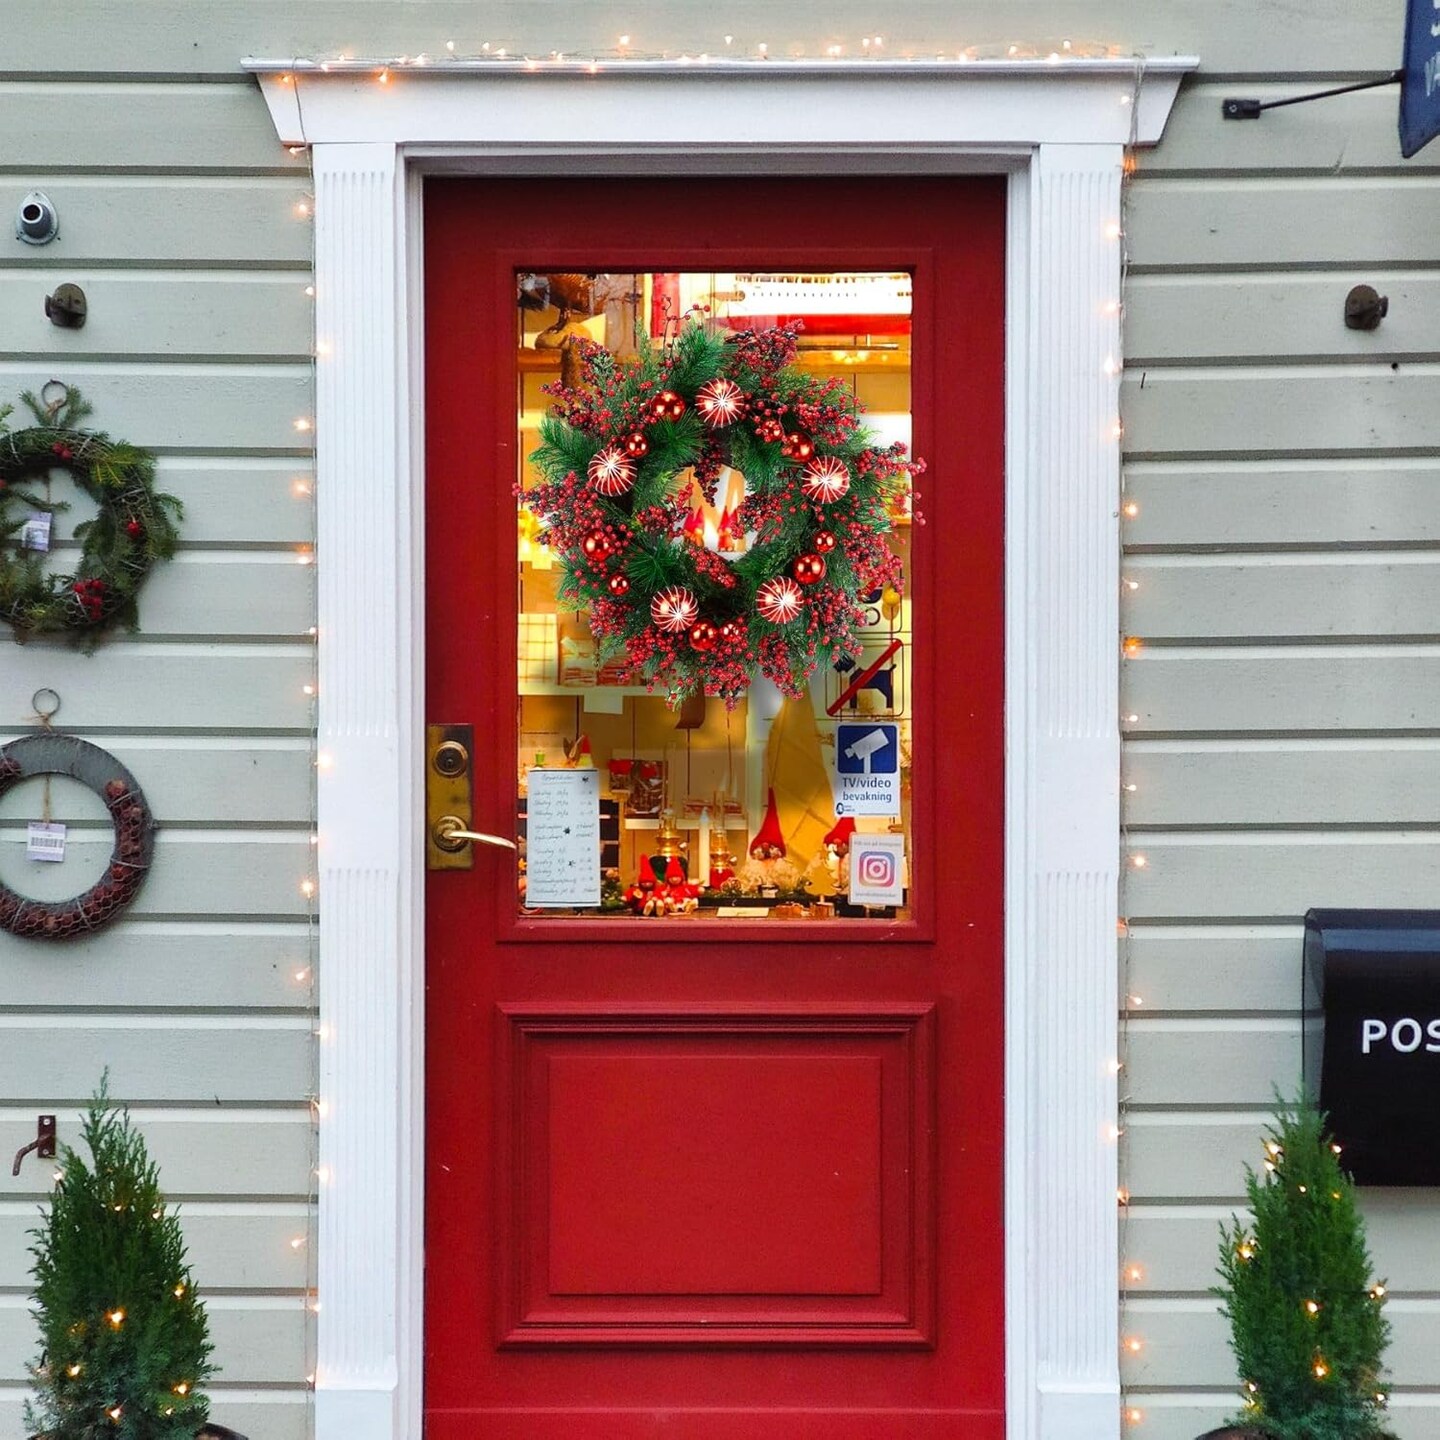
x,y
43,1144
1234,108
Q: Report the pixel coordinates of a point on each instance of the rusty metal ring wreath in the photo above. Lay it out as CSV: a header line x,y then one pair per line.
x,y
52,754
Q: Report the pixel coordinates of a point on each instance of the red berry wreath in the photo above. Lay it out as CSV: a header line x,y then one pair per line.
x,y
775,586
134,526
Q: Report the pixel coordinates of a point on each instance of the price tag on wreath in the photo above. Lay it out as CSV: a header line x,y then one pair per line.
x,y
45,841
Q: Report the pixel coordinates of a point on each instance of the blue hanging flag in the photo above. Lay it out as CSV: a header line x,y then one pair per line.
x,y
1420,84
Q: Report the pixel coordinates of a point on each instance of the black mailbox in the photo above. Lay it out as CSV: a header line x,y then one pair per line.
x,y
1372,1039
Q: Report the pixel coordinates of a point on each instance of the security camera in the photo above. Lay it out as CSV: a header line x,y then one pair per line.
x,y
36,222
865,747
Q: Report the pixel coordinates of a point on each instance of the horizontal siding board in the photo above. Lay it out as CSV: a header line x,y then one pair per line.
x,y
1186,1342
194,221
1195,1156
1214,968
206,1152
196,782
1177,1249
1185,318
1211,1062
1281,782
191,874
257,1339
234,1060
1279,596
183,312
1265,410
1302,688
260,1414
232,688
1278,875
228,595
239,499
1269,223
142,126
147,965
230,1247
1366,501
185,407
1340,36
1347,133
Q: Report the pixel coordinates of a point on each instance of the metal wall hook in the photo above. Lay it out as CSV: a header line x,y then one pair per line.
x,y
43,1144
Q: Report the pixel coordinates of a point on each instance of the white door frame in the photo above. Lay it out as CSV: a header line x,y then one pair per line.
x,y
1059,131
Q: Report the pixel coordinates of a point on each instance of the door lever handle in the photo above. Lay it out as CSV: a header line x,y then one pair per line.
x,y
451,835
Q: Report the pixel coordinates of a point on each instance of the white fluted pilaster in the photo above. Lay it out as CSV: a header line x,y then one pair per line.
x,y
364,607
1063,795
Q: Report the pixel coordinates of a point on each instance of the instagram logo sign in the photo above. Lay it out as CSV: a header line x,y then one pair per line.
x,y
877,869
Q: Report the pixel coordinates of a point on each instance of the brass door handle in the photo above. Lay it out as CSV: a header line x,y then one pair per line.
x,y
451,835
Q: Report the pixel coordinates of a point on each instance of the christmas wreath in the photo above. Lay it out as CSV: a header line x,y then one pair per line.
x,y
697,592
130,816
134,528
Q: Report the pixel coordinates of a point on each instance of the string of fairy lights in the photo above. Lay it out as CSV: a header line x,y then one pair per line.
x,y
1132,1272
727,49
305,975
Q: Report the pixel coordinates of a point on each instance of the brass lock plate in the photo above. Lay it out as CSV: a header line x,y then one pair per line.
x,y
449,791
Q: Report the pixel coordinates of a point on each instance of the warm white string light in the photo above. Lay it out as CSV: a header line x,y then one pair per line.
x,y
1132,1273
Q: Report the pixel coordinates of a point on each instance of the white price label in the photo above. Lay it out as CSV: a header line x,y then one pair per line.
x,y
35,533
45,842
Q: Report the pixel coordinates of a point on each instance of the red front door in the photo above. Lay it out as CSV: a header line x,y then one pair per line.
x,y
714,1175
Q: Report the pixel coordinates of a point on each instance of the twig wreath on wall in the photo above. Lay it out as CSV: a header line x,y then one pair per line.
x,y
634,456
54,754
134,526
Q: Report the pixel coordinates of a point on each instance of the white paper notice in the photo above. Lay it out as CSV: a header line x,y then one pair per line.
x,y
35,532
562,838
877,869
44,842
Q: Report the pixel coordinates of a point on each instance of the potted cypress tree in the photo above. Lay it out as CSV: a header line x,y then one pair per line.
x,y
124,1343
1306,1318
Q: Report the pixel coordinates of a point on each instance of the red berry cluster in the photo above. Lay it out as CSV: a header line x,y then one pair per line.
x,y
90,596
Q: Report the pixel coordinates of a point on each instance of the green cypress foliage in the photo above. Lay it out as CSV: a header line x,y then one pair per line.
x,y
125,1348
1306,1320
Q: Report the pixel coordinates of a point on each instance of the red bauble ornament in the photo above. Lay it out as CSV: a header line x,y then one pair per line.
x,y
597,545
797,446
826,479
674,609
612,472
62,451
779,600
703,635
808,569
667,405
731,631
619,586
635,445
134,529
720,402
770,432
823,541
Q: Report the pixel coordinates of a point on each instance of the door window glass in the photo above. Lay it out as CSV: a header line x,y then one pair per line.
x,y
655,797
